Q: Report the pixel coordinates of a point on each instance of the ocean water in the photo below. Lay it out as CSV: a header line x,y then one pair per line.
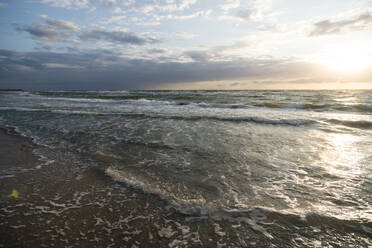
x,y
294,164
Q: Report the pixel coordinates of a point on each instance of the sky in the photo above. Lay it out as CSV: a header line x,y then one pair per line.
x,y
185,44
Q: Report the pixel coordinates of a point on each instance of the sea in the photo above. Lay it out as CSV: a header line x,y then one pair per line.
x,y
232,168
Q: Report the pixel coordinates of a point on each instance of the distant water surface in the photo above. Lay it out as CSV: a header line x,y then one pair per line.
x,y
221,154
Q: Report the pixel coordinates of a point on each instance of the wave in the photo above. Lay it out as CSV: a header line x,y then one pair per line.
x,y
339,107
150,102
258,120
361,124
273,105
354,124
149,99
318,107
57,111
260,219
23,109
75,99
144,101
156,189
290,122
361,107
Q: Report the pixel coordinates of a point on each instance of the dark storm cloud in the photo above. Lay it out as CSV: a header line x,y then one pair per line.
x,y
326,27
103,69
117,37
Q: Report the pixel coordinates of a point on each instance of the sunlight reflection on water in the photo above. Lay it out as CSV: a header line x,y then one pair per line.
x,y
342,158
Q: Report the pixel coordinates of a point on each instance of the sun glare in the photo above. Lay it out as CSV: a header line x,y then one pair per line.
x,y
346,59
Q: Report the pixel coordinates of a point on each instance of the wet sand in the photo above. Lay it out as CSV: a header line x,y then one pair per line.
x,y
45,205
65,207
82,207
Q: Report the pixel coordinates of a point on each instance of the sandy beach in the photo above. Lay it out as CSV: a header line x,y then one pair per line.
x,y
49,206
44,205
184,169
185,123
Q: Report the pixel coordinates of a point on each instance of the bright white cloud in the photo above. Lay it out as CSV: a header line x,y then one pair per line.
x,y
230,4
81,3
113,19
186,36
199,14
66,3
163,6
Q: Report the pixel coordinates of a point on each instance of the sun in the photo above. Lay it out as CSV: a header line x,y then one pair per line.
x,y
349,59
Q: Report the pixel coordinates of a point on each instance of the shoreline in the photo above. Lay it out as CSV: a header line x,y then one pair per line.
x,y
83,207
59,207
44,204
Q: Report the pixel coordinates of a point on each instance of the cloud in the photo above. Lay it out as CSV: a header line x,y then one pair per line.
x,y
67,3
60,24
199,14
246,14
243,15
113,19
185,4
61,66
110,3
254,12
105,69
52,30
117,37
91,4
43,32
79,3
236,50
198,56
122,20
329,27
234,84
230,4
158,51
185,36
144,6
3,4
168,6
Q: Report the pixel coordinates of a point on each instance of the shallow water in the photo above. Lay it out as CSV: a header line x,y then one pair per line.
x,y
274,161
